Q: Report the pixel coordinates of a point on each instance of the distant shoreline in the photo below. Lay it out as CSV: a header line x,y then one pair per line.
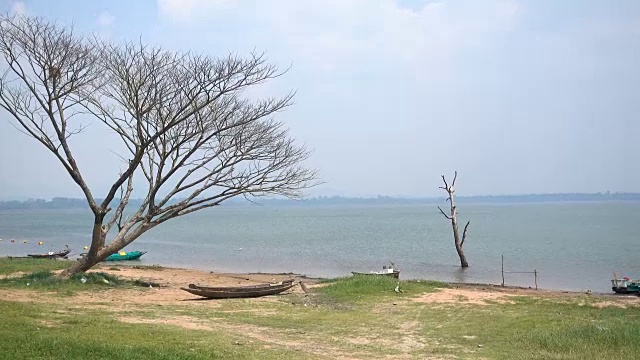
x,y
180,275
77,203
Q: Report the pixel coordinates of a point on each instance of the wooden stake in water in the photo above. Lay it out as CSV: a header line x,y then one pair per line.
x,y
502,269
535,276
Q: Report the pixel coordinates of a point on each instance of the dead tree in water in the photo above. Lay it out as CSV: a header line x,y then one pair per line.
x,y
454,221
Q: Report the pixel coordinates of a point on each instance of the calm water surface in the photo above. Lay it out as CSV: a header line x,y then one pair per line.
x,y
574,246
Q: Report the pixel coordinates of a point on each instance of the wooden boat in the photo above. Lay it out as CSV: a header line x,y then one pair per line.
x,y
239,288
123,255
386,271
625,285
231,292
51,254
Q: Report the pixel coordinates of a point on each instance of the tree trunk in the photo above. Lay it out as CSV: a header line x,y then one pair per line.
x,y
99,251
456,237
92,258
81,265
453,217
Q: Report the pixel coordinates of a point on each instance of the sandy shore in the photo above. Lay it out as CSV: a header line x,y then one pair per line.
x,y
165,284
168,277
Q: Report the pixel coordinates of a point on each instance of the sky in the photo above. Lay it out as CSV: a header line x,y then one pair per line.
x,y
531,96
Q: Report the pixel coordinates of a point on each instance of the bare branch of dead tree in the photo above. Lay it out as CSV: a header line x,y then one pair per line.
x,y
446,186
464,233
442,212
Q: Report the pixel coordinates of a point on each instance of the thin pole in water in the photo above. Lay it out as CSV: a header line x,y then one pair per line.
x,y
535,276
502,269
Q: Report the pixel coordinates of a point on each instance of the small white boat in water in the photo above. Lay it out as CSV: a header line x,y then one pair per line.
x,y
386,271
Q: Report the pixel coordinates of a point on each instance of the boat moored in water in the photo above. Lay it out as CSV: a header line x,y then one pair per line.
x,y
123,255
625,285
386,271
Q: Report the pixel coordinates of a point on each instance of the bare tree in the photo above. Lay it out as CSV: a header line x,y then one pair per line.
x,y
193,140
450,189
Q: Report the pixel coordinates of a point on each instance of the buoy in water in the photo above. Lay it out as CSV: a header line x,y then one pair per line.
x,y
24,241
85,247
40,243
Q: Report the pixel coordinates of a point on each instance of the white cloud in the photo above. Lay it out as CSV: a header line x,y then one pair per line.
x,y
508,8
105,19
338,34
18,8
188,10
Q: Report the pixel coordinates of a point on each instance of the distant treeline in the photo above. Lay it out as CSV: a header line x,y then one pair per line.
x,y
478,199
71,203
55,203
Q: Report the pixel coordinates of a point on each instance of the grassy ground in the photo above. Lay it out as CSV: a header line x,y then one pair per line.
x,y
355,317
10,266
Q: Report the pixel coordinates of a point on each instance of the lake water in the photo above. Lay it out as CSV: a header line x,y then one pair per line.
x,y
573,246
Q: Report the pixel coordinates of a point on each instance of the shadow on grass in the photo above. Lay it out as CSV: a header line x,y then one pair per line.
x,y
47,280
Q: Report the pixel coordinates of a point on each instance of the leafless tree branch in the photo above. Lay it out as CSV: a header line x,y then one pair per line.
x,y
47,66
464,233
193,137
446,186
445,215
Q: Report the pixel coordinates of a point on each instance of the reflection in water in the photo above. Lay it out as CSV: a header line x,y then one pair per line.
x,y
461,275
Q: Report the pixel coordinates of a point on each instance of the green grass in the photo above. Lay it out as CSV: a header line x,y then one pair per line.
x,y
574,331
46,280
37,274
532,329
528,328
36,332
368,288
358,317
9,266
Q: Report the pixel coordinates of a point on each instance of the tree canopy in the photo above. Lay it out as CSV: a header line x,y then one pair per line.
x,y
193,137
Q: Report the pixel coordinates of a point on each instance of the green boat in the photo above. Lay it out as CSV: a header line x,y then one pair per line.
x,y
123,255
625,286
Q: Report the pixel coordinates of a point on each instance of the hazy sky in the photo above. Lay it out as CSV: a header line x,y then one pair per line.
x,y
530,96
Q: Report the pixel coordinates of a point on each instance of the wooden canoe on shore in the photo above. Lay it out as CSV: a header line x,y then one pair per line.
x,y
51,255
231,292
